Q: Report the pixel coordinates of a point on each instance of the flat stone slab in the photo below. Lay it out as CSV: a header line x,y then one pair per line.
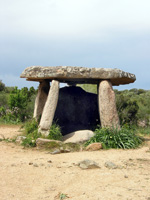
x,y
71,75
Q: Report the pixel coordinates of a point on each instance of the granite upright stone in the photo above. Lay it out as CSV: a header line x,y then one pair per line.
x,y
107,105
49,108
41,99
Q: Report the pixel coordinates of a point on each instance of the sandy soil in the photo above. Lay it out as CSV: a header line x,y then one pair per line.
x,y
30,174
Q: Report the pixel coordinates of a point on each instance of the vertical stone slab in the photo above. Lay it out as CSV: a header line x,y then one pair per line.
x,y
49,108
107,105
41,99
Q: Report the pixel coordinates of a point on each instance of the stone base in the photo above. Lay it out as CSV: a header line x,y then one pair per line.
x,y
43,132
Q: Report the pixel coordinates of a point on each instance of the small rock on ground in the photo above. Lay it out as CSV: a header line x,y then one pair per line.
x,y
94,147
110,165
88,164
20,139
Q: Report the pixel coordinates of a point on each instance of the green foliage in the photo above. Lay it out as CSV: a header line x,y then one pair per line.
x,y
31,126
55,132
134,98
18,105
127,109
31,133
2,86
89,87
4,99
143,131
28,142
123,138
63,196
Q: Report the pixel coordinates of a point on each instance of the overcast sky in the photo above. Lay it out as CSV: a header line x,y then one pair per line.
x,y
87,33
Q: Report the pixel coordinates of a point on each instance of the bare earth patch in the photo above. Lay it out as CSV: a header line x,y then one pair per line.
x,y
30,174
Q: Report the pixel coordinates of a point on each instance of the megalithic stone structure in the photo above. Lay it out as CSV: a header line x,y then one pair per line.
x,y
105,78
107,105
49,108
41,98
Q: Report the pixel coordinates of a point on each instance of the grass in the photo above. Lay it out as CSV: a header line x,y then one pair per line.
x,y
143,131
55,132
124,138
31,133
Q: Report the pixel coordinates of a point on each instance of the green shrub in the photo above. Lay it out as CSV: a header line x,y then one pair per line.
x,y
123,138
143,131
31,126
55,132
31,133
2,86
29,142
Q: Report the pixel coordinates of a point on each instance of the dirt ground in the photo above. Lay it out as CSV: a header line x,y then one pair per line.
x,y
31,174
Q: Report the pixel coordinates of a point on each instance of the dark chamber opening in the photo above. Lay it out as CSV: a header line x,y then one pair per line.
x,y
76,110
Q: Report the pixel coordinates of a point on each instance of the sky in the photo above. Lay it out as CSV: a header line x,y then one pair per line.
x,y
86,33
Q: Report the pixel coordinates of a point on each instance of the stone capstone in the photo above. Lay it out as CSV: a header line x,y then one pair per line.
x,y
71,74
78,136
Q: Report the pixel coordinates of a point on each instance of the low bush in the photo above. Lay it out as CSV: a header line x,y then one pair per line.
x,y
31,133
55,132
123,138
143,131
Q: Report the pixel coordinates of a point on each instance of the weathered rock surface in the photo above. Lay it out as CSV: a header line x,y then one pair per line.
x,y
107,105
76,110
41,98
49,108
41,142
110,165
94,146
78,74
88,164
20,139
78,136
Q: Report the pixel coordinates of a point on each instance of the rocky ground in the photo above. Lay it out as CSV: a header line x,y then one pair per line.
x,y
31,174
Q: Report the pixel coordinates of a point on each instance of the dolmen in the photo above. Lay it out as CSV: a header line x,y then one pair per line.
x,y
71,106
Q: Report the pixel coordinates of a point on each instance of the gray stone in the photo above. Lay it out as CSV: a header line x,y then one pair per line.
x,y
57,151
107,105
88,164
78,74
20,139
110,165
41,142
76,110
41,98
78,136
49,109
94,146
